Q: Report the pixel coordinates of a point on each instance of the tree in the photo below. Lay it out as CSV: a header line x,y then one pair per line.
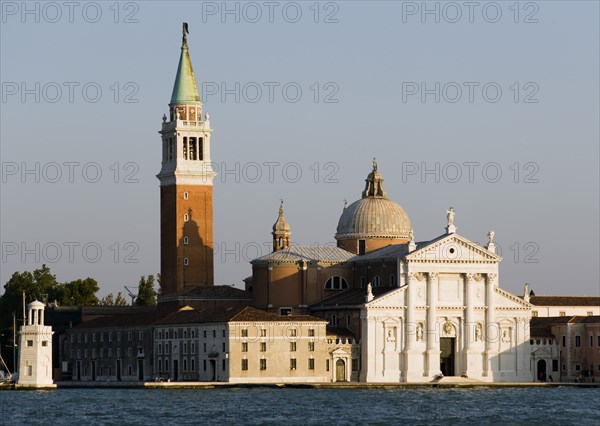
x,y
79,292
120,300
146,292
37,285
109,300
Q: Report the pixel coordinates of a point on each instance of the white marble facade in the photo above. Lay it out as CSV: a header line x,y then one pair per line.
x,y
449,315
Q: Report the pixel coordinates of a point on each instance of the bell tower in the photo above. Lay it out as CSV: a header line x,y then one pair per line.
x,y
186,183
281,231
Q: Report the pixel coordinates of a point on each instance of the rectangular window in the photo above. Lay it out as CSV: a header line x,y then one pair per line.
x,y
311,346
94,337
293,332
30,370
244,332
292,363
561,314
591,341
263,332
598,342
392,280
185,365
85,338
577,341
205,334
263,346
214,334
223,333
204,364
244,364
118,352
362,246
193,365
118,336
355,364
30,343
311,332
192,348
223,346
244,346
130,336
554,365
577,367
311,363
263,364
185,348
204,347
223,364
590,313
564,341
110,336
534,314
292,346
564,367
326,365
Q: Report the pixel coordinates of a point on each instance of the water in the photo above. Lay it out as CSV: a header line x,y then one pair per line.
x,y
266,406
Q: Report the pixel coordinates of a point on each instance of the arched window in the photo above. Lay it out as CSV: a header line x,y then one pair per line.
x,y
336,283
376,281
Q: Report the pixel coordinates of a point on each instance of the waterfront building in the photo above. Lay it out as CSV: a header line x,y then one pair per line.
x,y
564,306
242,345
35,350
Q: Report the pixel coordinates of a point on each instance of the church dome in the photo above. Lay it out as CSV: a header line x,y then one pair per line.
x,y
374,215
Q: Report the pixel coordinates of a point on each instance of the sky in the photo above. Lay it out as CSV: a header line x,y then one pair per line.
x,y
489,107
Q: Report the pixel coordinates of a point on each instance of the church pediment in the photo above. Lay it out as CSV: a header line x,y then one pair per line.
x,y
505,300
453,249
392,299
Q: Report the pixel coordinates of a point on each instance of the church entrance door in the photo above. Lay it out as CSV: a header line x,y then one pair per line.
x,y
541,370
340,371
447,355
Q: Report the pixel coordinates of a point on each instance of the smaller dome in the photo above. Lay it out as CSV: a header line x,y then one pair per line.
x,y
35,304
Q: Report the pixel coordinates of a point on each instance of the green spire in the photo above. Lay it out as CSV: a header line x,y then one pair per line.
x,y
185,90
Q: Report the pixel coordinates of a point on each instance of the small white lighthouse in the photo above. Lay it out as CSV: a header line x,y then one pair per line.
x,y
35,359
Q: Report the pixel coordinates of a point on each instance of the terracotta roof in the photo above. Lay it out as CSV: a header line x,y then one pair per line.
x,y
136,319
217,292
564,301
339,332
247,314
354,296
540,326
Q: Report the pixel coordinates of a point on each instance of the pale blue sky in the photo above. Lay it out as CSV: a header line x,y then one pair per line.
x,y
364,61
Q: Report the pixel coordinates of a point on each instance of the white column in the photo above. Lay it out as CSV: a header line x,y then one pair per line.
x,y
472,356
433,341
412,370
410,332
469,326
492,334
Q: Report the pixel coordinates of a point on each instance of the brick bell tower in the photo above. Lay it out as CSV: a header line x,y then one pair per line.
x,y
186,183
